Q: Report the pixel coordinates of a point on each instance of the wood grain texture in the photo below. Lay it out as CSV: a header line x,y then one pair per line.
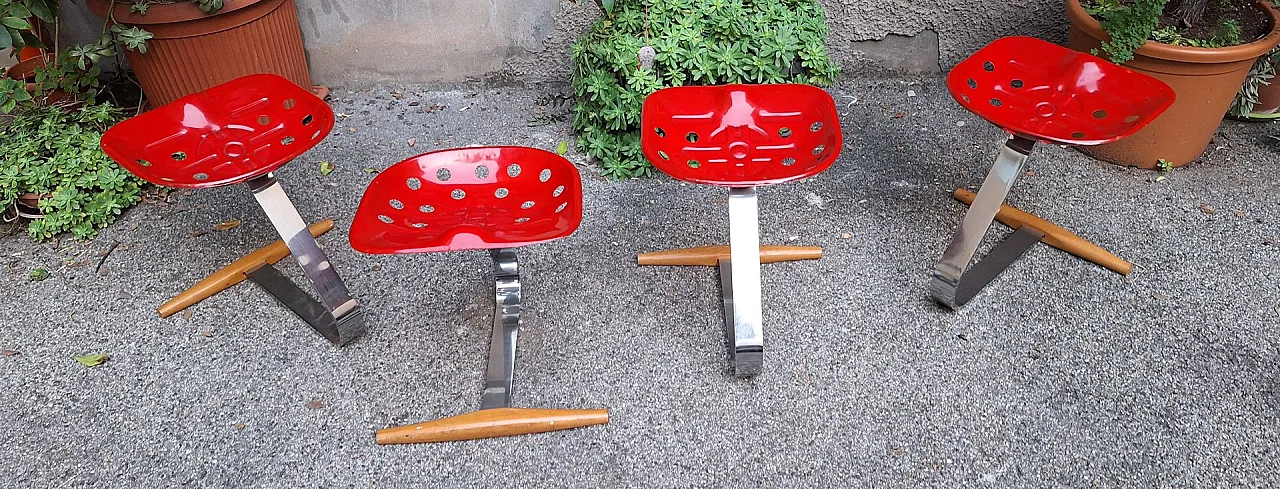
x,y
1054,235
492,423
711,255
236,272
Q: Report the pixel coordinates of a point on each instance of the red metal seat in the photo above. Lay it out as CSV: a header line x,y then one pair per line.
x,y
227,134
1044,91
467,199
241,131
493,198
740,136
1037,91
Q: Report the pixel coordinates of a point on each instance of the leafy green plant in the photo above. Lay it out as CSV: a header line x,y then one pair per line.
x,y
1131,23
15,25
694,42
1165,166
1262,73
54,152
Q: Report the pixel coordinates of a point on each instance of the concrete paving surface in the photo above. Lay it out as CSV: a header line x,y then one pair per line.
x,y
1060,374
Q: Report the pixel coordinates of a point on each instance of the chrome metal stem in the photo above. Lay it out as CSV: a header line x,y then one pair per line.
x,y
315,264
506,328
946,285
740,280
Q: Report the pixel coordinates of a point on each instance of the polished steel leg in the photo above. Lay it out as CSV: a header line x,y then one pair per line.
x,y
315,264
506,328
950,284
740,280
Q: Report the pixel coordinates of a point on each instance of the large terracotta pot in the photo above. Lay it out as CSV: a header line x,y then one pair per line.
x,y
1205,82
193,51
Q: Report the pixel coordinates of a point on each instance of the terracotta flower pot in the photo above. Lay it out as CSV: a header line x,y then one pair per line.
x,y
26,71
1205,81
193,51
31,202
1268,98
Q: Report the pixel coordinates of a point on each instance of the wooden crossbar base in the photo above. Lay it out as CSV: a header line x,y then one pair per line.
x,y
236,272
493,423
711,255
1054,235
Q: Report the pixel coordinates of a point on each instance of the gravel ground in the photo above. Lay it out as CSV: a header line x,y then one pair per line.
x,y
1060,374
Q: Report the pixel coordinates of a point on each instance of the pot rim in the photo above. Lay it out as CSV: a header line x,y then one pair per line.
x,y
162,13
27,67
1152,49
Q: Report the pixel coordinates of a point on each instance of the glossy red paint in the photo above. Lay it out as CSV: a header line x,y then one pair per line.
x,y
227,134
1044,91
467,199
740,135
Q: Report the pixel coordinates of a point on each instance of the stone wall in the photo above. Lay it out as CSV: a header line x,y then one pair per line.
x,y
507,41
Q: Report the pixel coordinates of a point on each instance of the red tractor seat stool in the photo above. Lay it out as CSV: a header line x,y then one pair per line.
x,y
740,137
237,132
1036,91
486,198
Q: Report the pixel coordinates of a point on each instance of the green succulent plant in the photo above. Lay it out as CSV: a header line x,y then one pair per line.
x,y
54,151
694,42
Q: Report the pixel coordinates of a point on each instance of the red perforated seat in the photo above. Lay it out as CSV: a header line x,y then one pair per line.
x,y
469,198
227,134
1044,91
741,135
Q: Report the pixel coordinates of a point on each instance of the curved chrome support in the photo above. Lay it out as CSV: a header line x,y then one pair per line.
x,y
950,284
740,279
506,328
346,321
